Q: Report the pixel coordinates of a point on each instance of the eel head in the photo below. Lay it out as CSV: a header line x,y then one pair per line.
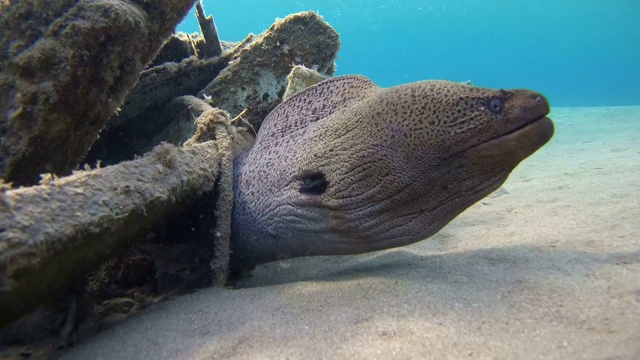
x,y
347,167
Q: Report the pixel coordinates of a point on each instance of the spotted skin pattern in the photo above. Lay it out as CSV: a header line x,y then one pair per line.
x,y
346,166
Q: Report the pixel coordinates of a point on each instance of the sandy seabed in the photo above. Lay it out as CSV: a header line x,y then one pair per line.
x,y
548,267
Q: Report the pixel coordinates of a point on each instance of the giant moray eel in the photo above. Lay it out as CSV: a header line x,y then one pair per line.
x,y
347,167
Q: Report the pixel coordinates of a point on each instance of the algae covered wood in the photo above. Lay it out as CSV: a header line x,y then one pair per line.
x,y
66,70
159,85
52,233
256,79
212,46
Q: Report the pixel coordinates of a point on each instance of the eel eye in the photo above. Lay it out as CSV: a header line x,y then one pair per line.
x,y
313,184
496,105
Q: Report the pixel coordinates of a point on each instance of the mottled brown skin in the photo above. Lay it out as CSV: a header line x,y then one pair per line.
x,y
347,167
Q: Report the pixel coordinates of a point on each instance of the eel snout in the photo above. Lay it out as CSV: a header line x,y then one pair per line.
x,y
528,131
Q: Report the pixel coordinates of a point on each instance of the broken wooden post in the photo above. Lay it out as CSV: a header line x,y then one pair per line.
x,y
208,27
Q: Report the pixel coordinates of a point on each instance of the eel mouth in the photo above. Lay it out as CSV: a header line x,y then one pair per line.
x,y
517,144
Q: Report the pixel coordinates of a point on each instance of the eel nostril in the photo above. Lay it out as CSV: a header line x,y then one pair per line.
x,y
536,98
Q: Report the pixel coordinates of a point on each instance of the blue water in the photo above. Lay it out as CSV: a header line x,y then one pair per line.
x,y
576,52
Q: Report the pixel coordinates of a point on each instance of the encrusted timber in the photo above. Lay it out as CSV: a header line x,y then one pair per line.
x,y
257,77
209,31
65,67
53,233
161,84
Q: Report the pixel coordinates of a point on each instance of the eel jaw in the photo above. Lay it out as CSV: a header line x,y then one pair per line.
x,y
515,146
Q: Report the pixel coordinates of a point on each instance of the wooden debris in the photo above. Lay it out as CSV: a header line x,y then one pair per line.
x,y
54,232
210,33
257,77
301,78
65,67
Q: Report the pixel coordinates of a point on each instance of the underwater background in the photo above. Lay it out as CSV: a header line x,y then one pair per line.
x,y
545,267
576,52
